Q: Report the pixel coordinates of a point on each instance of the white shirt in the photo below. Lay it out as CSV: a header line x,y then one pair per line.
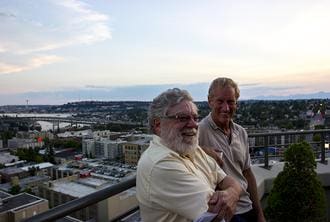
x,y
171,187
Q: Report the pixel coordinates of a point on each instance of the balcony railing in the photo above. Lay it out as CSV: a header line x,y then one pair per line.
x,y
291,137
80,203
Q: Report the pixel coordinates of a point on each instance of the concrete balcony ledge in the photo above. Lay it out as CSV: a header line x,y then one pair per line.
x,y
265,177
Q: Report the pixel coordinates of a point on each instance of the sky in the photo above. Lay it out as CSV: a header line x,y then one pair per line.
x,y
59,51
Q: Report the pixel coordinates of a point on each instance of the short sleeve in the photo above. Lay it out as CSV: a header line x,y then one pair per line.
x,y
179,190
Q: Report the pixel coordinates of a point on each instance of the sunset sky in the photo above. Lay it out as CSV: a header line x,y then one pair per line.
x,y
57,51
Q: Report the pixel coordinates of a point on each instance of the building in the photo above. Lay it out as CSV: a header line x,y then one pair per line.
x,y
56,172
15,143
6,157
8,173
88,147
78,134
34,134
133,150
65,155
102,148
31,183
77,186
112,149
41,168
21,206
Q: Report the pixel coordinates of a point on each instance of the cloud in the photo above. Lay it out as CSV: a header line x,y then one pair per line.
x,y
32,27
32,63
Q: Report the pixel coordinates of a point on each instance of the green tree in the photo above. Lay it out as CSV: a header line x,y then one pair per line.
x,y
49,155
15,189
297,194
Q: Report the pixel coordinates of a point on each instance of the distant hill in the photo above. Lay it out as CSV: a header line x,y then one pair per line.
x,y
199,92
318,95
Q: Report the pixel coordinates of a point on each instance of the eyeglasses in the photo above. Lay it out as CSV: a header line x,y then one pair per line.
x,y
183,118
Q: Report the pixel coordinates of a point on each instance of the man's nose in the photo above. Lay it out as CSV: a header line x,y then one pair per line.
x,y
225,106
192,123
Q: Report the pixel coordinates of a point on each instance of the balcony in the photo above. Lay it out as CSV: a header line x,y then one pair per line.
x,y
265,172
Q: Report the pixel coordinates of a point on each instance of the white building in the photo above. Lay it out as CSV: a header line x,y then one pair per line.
x,y
88,147
63,190
108,149
81,134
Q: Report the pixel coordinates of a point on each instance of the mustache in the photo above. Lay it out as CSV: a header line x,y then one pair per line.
x,y
194,131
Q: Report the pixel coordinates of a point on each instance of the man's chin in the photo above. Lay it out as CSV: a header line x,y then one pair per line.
x,y
189,140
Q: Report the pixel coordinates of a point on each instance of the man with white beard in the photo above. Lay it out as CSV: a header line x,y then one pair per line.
x,y
177,181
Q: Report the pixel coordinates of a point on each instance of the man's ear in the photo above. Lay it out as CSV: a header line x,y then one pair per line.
x,y
157,126
209,100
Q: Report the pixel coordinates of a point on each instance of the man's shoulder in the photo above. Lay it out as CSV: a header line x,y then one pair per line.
x,y
154,155
238,127
205,122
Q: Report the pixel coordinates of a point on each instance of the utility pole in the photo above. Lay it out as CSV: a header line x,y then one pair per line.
x,y
27,104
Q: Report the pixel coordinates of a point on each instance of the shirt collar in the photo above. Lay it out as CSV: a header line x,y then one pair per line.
x,y
216,127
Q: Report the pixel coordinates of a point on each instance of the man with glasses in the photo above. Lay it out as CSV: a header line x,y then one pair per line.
x,y
227,142
176,180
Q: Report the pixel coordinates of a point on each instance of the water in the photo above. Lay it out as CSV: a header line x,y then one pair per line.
x,y
45,126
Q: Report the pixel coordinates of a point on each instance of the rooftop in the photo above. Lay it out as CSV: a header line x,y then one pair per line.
x,y
24,182
18,201
40,166
4,195
80,187
11,170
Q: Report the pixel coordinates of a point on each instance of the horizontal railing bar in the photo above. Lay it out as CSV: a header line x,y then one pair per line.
x,y
80,203
122,216
289,133
284,144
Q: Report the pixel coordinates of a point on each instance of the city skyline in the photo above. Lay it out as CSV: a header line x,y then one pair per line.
x,y
53,52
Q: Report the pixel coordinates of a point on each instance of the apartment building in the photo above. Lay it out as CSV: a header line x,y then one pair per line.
x,y
133,150
75,186
21,206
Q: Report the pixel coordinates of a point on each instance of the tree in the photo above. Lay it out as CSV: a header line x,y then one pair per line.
x,y
15,189
49,155
297,194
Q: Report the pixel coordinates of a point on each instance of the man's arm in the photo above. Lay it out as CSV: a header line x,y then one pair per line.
x,y
252,189
224,200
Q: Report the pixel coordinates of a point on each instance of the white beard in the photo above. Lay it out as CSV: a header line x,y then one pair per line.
x,y
174,140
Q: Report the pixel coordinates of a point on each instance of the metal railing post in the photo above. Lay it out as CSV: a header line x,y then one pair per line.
x,y
322,144
266,152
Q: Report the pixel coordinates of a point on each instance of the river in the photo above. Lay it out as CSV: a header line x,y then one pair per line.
x,y
45,126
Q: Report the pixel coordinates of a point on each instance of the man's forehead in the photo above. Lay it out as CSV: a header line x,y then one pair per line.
x,y
183,107
224,92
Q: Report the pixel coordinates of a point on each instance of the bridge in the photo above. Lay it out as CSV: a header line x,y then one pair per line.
x,y
72,120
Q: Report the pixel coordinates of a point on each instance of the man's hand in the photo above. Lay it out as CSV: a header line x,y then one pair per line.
x,y
223,203
215,154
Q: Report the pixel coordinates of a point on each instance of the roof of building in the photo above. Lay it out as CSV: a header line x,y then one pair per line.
x,y
18,201
6,157
4,194
24,182
40,166
11,170
81,187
